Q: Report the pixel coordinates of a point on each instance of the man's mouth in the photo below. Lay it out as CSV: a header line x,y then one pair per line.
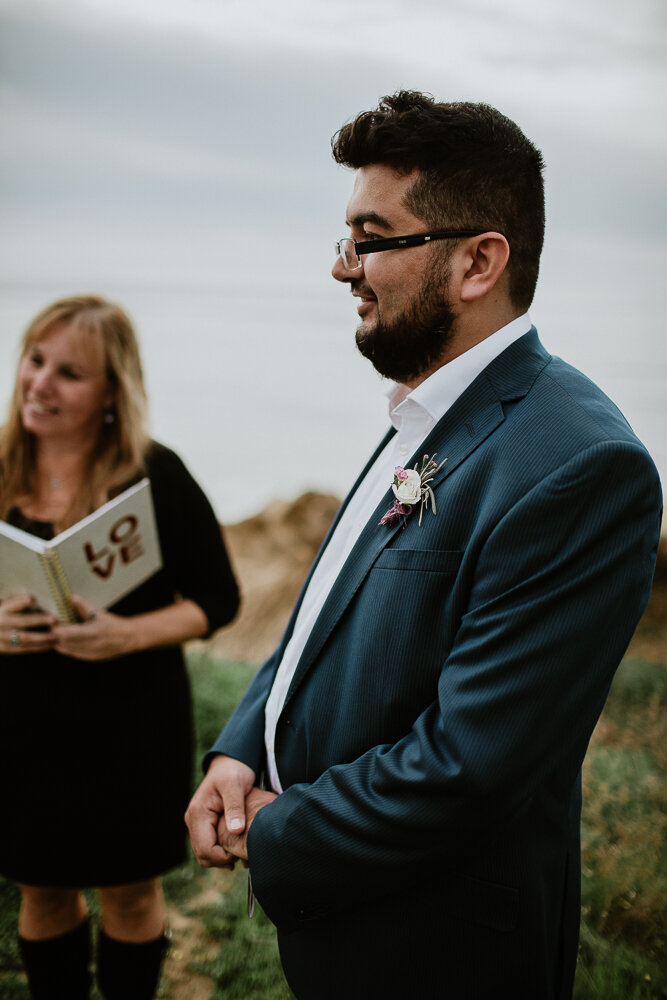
x,y
366,299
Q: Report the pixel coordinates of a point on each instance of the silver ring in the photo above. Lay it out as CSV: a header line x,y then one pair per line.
x,y
15,639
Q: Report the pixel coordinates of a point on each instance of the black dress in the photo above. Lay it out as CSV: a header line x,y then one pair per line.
x,y
96,757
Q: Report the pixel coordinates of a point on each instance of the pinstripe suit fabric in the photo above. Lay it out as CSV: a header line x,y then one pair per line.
x,y
427,841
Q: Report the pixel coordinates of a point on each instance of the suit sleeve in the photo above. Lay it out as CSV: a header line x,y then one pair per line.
x,y
558,588
243,736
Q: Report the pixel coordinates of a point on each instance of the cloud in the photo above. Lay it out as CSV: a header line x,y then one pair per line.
x,y
177,152
215,119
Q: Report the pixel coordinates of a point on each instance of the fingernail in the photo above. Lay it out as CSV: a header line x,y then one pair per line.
x,y
235,824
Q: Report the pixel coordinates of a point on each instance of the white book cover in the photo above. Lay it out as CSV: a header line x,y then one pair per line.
x,y
102,557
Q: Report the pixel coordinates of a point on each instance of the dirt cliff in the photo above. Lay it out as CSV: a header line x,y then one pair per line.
x,y
271,554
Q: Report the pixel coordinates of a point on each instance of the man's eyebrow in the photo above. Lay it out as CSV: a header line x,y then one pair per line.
x,y
361,218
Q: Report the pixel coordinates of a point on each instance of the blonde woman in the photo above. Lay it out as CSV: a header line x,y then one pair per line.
x,y
93,712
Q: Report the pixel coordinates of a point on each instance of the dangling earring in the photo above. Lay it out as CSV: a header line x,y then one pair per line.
x,y
109,417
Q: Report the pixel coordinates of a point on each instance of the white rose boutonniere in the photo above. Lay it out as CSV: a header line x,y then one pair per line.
x,y
407,485
412,487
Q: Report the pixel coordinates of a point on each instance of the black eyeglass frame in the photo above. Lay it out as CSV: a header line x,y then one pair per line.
x,y
398,242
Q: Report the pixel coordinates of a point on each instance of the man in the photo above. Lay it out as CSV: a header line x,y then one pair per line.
x,y
420,729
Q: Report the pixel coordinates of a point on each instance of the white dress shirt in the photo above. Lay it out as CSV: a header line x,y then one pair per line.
x,y
413,414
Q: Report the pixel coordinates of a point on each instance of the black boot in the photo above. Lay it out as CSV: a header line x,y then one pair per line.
x,y
58,968
129,971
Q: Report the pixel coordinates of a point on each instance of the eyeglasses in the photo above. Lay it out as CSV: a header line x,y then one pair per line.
x,y
350,252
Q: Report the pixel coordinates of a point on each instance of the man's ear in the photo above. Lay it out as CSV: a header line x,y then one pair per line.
x,y
486,260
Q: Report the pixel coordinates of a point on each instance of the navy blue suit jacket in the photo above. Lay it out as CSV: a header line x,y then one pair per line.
x,y
426,843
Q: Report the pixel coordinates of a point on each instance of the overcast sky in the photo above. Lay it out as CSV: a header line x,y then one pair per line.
x,y
183,133
187,143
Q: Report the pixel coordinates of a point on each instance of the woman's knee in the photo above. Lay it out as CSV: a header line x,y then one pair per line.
x,y
132,900
49,901
48,912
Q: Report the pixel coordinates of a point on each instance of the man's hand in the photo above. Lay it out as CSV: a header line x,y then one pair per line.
x,y
236,843
219,804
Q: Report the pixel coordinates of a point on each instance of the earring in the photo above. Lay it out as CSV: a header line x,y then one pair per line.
x,y
109,417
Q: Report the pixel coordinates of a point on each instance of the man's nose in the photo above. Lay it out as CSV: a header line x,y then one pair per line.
x,y
342,273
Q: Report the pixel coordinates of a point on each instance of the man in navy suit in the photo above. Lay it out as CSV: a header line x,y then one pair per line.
x,y
403,774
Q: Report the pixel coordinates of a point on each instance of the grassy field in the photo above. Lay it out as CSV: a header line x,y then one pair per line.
x,y
218,953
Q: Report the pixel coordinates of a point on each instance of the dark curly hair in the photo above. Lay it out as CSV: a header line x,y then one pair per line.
x,y
477,171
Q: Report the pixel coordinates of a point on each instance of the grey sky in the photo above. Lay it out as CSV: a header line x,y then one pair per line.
x,y
215,118
169,143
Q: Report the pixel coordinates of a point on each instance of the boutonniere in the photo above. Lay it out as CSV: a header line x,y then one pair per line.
x,y
411,487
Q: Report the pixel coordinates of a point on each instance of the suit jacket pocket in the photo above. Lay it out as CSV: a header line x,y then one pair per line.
x,y
419,560
479,901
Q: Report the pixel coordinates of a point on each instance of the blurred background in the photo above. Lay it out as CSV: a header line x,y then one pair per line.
x,y
174,155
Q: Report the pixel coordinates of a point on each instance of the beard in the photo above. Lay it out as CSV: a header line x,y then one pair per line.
x,y
405,348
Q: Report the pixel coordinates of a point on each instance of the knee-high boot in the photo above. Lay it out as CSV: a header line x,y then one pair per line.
x,y
58,967
127,970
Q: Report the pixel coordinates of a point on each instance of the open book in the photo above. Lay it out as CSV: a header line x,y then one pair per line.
x,y
102,557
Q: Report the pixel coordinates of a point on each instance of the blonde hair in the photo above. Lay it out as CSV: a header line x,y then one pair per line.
x,y
123,438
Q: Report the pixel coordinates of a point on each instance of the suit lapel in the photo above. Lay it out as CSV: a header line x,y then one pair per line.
x,y
481,408
360,478
471,419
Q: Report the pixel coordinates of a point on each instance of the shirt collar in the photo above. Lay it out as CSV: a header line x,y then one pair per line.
x,y
440,390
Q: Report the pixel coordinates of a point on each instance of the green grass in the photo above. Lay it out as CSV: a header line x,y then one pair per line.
x,y
238,955
624,842
10,962
245,962
624,848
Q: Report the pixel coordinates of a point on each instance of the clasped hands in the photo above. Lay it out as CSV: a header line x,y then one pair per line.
x,y
99,635
222,811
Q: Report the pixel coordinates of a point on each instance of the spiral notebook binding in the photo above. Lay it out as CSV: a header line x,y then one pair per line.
x,y
58,585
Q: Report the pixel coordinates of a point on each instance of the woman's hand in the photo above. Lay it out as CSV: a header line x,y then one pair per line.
x,y
99,636
16,624
102,635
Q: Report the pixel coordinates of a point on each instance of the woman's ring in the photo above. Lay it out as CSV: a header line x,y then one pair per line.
x,y
15,639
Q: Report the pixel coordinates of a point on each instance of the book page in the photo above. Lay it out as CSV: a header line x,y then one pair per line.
x,y
112,551
21,569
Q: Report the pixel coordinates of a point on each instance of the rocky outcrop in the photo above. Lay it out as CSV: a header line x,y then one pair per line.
x,y
271,554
